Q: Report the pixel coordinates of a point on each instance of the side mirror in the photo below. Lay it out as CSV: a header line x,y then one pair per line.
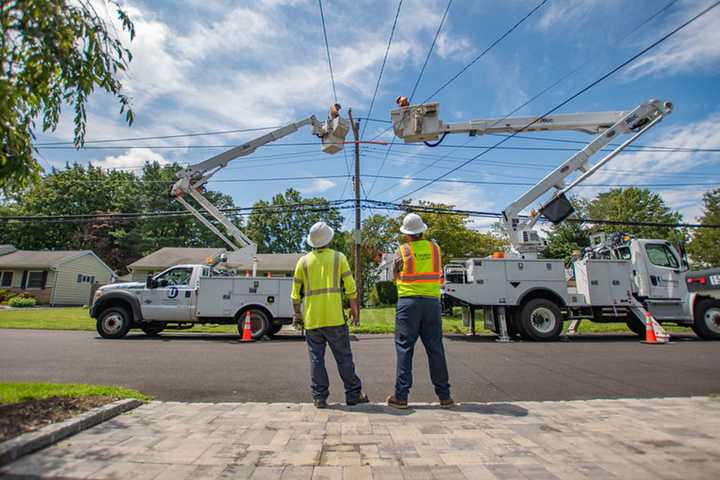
x,y
150,282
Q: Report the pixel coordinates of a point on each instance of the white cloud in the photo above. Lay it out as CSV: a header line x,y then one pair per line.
x,y
566,12
464,197
697,46
459,48
318,185
133,160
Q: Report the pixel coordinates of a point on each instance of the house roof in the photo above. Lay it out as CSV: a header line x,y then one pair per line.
x,y
5,249
24,259
168,256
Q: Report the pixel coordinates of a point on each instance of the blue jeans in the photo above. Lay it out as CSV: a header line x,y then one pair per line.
x,y
339,340
419,316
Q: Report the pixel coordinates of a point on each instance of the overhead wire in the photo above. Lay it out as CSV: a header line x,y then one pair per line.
x,y
572,97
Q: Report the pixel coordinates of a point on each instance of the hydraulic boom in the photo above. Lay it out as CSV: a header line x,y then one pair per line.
x,y
421,123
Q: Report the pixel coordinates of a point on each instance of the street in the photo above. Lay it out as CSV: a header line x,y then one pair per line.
x,y
217,368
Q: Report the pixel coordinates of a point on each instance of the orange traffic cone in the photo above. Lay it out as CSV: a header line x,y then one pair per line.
x,y
650,337
247,329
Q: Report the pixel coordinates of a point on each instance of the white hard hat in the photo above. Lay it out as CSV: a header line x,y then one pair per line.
x,y
413,224
320,235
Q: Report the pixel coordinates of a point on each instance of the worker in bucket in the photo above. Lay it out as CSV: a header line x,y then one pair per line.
x,y
320,275
418,276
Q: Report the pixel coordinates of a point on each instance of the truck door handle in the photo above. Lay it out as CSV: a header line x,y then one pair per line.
x,y
653,280
148,301
187,294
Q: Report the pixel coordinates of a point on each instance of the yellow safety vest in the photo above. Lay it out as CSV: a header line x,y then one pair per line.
x,y
319,274
421,274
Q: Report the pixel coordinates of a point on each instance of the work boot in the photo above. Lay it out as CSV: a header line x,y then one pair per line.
x,y
361,399
395,403
320,403
447,403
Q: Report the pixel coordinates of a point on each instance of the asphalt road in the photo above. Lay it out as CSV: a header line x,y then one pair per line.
x,y
217,368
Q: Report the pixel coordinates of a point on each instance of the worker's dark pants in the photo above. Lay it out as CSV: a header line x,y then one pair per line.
x,y
339,340
419,316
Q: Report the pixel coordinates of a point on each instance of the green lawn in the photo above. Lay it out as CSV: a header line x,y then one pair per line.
x,y
22,392
372,320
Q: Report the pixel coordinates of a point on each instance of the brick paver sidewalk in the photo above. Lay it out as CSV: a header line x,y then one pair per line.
x,y
658,438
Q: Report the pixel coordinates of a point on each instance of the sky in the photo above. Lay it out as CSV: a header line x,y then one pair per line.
x,y
212,65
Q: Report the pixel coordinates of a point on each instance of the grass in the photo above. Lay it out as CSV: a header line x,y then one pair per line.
x,y
21,392
372,320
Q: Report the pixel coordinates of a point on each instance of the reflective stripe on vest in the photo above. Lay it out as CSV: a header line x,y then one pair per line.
x,y
323,291
408,273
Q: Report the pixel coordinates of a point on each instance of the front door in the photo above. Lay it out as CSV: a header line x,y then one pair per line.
x,y
172,299
665,279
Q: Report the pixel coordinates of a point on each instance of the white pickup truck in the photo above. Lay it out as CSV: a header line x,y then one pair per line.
x,y
186,295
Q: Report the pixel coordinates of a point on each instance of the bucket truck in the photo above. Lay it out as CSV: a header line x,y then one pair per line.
x,y
619,278
186,295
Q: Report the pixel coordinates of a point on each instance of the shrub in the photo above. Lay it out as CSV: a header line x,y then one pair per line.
x,y
387,293
22,302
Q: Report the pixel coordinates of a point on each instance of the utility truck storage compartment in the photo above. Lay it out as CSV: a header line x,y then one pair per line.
x,y
604,282
224,296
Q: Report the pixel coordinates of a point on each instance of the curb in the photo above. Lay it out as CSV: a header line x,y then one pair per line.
x,y
12,449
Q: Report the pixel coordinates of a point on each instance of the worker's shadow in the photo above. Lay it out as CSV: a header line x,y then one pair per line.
x,y
502,409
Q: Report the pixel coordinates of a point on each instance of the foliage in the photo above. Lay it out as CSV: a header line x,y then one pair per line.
x,y
635,205
452,233
280,226
379,234
22,302
704,248
53,53
12,392
386,293
79,190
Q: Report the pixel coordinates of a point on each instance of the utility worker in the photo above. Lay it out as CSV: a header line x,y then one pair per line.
x,y
418,276
320,275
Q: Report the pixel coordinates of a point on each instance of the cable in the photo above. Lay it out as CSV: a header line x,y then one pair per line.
x,y
572,97
382,66
490,47
327,50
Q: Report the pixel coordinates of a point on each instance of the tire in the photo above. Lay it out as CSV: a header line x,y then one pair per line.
x,y
274,329
113,323
259,321
635,325
153,329
707,319
540,320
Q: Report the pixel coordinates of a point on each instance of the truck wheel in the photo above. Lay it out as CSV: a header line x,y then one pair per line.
x,y
540,320
259,324
635,325
707,319
152,330
113,322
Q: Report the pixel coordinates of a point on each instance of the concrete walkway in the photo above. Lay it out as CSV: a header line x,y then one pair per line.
x,y
657,438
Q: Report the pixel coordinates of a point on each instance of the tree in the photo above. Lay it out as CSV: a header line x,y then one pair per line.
x,y
379,234
280,226
635,205
452,234
53,53
704,248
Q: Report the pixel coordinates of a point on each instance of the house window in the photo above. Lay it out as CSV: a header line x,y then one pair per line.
x,y
35,280
79,278
6,279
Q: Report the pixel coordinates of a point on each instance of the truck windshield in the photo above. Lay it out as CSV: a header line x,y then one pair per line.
x,y
661,255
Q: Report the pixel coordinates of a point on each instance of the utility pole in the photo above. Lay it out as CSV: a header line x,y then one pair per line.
x,y
356,183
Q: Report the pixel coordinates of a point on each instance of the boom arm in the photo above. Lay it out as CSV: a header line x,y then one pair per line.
x,y
192,179
418,123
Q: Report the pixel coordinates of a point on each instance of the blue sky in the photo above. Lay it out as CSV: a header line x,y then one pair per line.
x,y
209,65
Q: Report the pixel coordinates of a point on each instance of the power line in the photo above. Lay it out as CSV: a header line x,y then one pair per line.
x,y
382,66
490,47
572,97
417,82
327,50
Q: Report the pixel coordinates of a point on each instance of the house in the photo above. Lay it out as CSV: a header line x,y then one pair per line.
x,y
54,277
276,264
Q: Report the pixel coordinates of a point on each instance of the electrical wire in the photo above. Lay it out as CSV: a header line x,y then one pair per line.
x,y
572,97
327,50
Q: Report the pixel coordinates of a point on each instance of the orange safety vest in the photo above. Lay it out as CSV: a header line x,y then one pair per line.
x,y
421,274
